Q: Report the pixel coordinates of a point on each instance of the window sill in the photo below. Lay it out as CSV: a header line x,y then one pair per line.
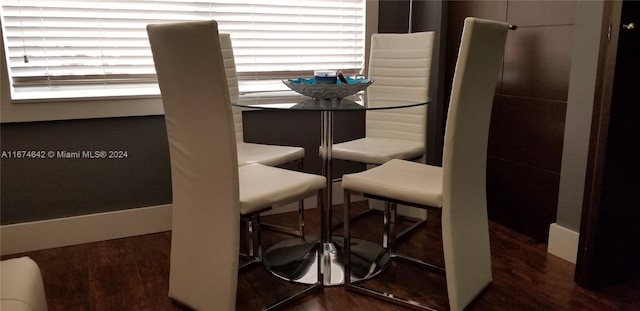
x,y
84,93
62,93
67,103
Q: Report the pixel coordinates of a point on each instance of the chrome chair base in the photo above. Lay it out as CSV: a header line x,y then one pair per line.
x,y
295,260
281,229
389,245
411,304
399,236
284,302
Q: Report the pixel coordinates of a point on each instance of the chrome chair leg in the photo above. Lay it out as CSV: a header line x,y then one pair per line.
x,y
347,239
284,229
393,208
245,253
251,240
301,218
301,205
257,242
254,243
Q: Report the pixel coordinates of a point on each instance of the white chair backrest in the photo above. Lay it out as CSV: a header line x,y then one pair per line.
x,y
232,81
400,64
204,166
464,214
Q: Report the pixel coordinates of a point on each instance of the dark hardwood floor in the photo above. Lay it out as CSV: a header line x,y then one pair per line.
x,y
132,274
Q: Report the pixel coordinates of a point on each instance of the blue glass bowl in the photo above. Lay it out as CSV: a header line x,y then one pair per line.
x,y
310,87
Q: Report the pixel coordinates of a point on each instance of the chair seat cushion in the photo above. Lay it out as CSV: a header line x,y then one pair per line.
x,y
264,186
271,155
22,287
377,150
400,180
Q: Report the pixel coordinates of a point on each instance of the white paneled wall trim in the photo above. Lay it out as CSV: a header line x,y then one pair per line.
x,y
51,233
37,235
563,243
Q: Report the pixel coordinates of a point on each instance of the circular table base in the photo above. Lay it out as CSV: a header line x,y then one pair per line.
x,y
295,260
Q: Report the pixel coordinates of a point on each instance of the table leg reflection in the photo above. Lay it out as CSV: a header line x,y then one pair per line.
x,y
296,259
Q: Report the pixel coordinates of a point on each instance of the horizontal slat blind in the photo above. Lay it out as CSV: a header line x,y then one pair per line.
x,y
52,42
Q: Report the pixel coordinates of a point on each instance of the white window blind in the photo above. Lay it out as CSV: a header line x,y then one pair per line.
x,y
99,42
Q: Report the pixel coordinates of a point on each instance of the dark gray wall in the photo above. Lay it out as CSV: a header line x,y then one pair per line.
x,y
40,189
54,187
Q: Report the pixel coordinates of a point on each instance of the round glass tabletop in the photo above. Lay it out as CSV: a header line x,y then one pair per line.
x,y
297,102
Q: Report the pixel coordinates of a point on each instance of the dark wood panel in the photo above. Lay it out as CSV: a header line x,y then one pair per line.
x,y
457,12
522,197
528,131
541,13
537,62
132,274
394,16
528,120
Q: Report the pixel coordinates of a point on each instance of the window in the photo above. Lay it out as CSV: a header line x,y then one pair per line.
x,y
102,44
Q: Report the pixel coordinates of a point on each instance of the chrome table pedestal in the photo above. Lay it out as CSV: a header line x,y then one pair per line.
x,y
296,259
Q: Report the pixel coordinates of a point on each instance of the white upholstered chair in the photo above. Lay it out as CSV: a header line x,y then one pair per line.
x,y
210,191
458,188
400,64
272,155
21,287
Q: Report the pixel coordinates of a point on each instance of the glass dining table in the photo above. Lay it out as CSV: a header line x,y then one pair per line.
x,y
296,259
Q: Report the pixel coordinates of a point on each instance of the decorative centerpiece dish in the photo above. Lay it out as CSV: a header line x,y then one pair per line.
x,y
335,87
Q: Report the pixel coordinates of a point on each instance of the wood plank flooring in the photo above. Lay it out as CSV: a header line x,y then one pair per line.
x,y
132,274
